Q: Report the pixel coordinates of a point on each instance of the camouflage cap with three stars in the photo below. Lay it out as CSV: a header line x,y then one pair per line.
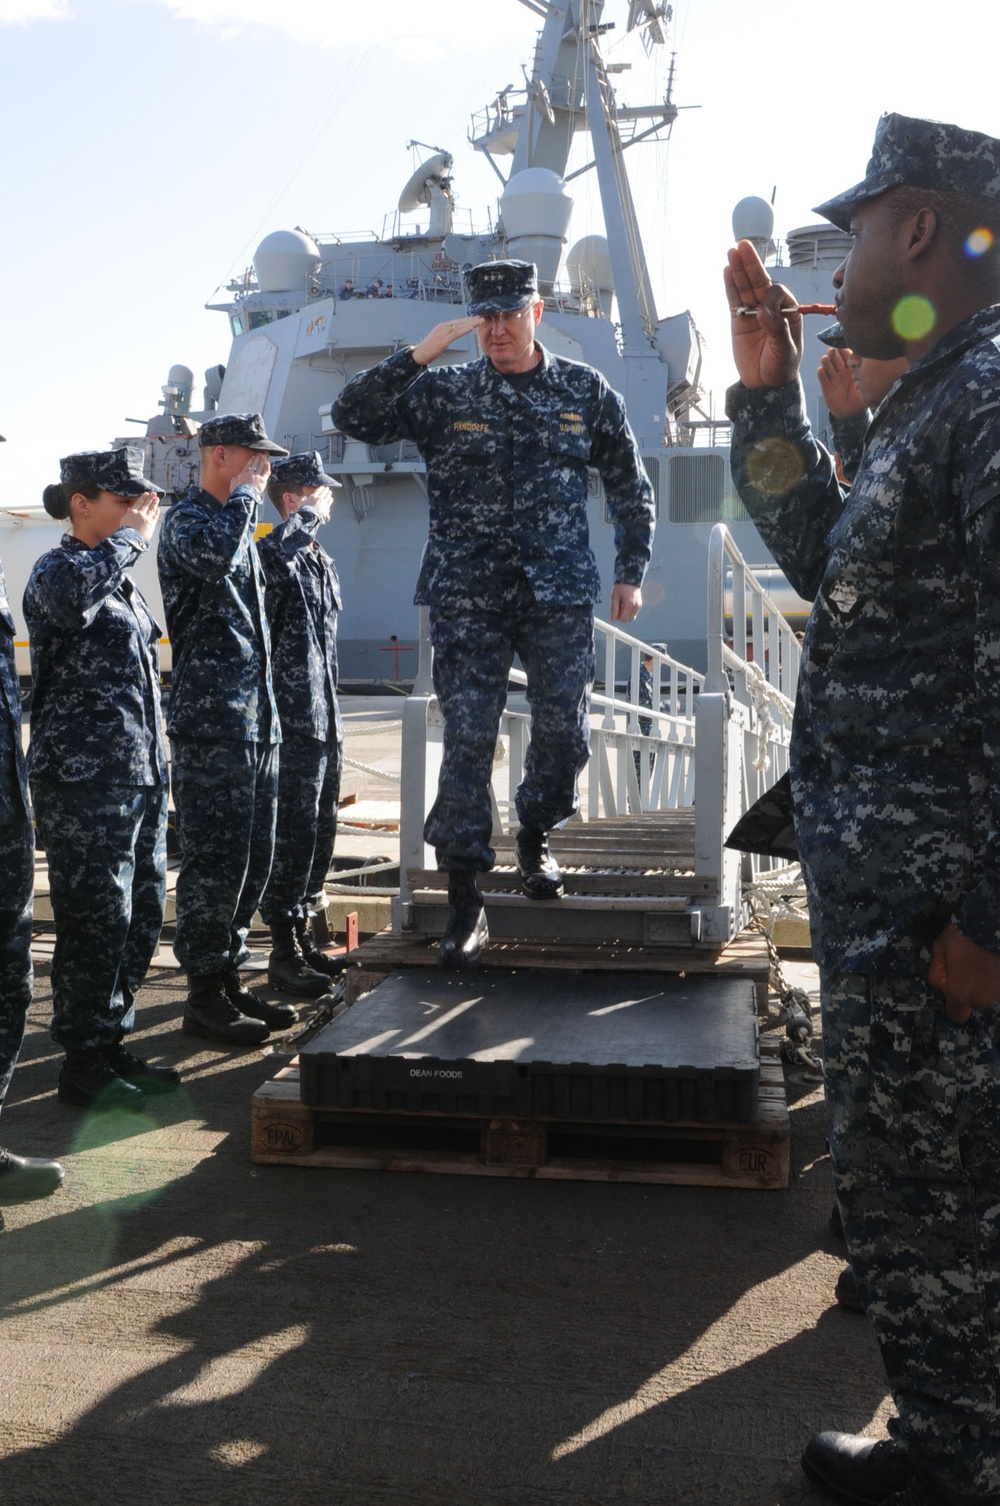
x,y
500,287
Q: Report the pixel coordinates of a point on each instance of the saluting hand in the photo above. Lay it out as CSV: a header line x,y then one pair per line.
x,y
443,335
142,515
837,384
321,503
767,347
254,473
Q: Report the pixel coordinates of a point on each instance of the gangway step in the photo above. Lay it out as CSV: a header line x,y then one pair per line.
x,y
745,956
640,920
606,881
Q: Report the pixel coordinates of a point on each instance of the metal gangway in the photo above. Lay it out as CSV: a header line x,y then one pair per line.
x,y
645,858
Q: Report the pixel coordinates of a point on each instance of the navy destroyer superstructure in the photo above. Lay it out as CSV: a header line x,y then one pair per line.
x,y
315,309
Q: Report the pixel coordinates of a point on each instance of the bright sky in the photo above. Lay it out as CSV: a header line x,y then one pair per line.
x,y
151,144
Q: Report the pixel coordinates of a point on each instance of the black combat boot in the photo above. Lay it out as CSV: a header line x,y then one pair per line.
x,y
330,967
467,931
23,1178
133,1069
274,1016
287,969
89,1081
541,876
209,1012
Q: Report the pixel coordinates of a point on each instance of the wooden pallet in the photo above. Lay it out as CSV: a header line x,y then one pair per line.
x,y
286,1132
744,957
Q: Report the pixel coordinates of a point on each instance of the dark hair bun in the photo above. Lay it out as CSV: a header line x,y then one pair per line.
x,y
55,501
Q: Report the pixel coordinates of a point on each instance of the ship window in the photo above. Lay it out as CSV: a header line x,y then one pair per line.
x,y
700,490
236,320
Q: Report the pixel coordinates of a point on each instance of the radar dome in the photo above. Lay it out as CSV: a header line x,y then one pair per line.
x,y
753,220
284,261
536,207
588,263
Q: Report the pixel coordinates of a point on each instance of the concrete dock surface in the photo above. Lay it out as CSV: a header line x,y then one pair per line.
x,y
179,1325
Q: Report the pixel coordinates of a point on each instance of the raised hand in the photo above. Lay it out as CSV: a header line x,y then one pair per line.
x,y
142,514
836,382
254,473
767,349
443,335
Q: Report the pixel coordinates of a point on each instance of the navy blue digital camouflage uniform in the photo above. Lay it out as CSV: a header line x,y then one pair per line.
x,y
848,436
895,765
222,721
303,603
17,857
508,568
98,771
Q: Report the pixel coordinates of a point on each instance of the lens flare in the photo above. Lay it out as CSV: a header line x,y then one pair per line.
x,y
913,317
979,242
774,466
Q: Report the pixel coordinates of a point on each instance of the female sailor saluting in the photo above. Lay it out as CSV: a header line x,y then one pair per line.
x,y
97,768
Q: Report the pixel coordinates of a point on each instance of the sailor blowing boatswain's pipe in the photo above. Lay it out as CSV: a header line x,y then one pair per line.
x,y
508,568
896,780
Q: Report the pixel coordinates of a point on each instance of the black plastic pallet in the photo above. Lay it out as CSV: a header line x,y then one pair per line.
x,y
639,1048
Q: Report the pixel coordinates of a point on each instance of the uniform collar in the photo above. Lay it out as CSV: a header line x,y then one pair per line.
x,y
487,365
984,324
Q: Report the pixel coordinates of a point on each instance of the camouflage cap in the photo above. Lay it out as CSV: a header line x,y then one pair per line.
x,y
305,469
499,287
921,154
243,429
833,335
115,471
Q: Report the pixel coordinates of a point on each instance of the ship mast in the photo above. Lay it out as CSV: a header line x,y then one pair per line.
x,y
570,90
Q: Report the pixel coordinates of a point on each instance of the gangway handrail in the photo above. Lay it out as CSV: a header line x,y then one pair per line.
x,y
779,664
744,722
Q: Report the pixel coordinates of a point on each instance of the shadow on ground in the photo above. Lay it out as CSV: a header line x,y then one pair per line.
x,y
179,1325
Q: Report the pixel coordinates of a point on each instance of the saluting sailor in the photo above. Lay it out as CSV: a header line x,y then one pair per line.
x,y
97,763
223,726
303,607
508,568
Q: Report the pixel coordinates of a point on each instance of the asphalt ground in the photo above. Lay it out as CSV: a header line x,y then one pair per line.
x,y
177,1324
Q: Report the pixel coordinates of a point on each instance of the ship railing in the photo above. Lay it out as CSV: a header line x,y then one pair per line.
x,y
631,770
332,449
743,725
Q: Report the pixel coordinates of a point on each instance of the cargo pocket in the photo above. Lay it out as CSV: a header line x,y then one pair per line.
x,y
913,1093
